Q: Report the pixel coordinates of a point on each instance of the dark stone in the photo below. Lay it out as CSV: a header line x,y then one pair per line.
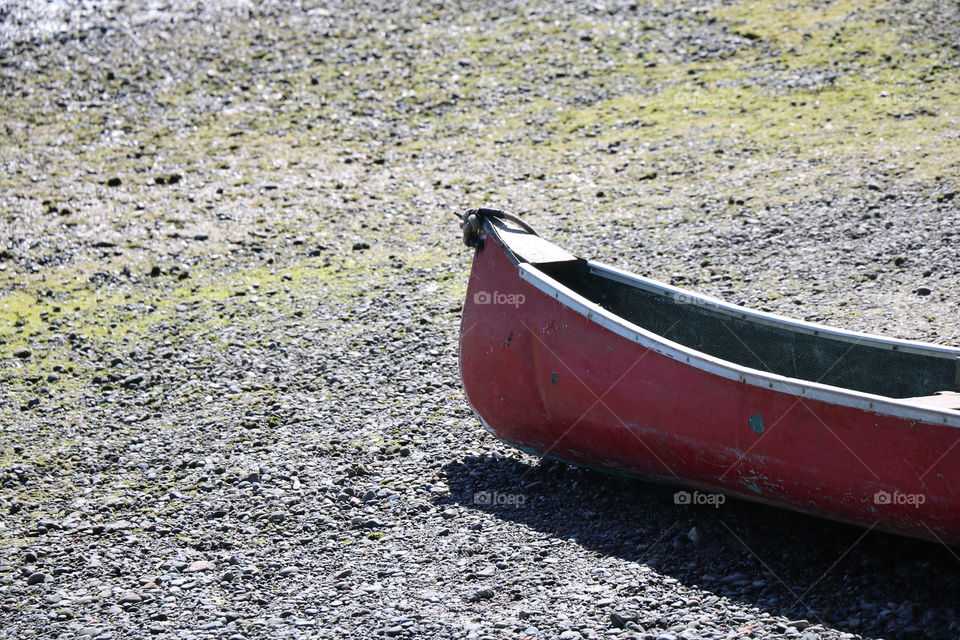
x,y
482,594
133,380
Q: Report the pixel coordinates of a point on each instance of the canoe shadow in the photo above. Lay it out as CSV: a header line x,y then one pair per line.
x,y
788,564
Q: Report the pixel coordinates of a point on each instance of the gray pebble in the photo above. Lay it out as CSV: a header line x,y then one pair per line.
x,y
199,565
482,594
37,578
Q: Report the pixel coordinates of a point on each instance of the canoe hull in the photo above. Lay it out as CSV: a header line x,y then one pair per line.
x,y
552,381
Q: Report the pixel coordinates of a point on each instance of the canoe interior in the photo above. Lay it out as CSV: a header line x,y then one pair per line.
x,y
782,350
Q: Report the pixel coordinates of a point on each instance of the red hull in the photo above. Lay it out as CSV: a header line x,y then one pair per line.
x,y
547,379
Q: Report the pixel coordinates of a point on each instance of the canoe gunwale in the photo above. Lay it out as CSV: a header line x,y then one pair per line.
x,y
877,404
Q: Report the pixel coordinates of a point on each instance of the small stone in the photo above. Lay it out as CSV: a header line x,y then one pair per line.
x,y
37,578
114,182
482,594
199,565
119,525
694,535
133,380
620,620
130,598
228,576
923,291
289,571
23,354
342,574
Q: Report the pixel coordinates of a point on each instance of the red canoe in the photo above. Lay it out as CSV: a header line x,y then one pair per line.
x,y
584,363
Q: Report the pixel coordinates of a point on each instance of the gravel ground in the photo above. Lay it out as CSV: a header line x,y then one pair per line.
x,y
230,289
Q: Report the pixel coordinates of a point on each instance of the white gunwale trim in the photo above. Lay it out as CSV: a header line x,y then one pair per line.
x,y
804,388
772,319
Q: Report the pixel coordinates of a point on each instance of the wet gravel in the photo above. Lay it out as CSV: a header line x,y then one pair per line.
x,y
231,287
